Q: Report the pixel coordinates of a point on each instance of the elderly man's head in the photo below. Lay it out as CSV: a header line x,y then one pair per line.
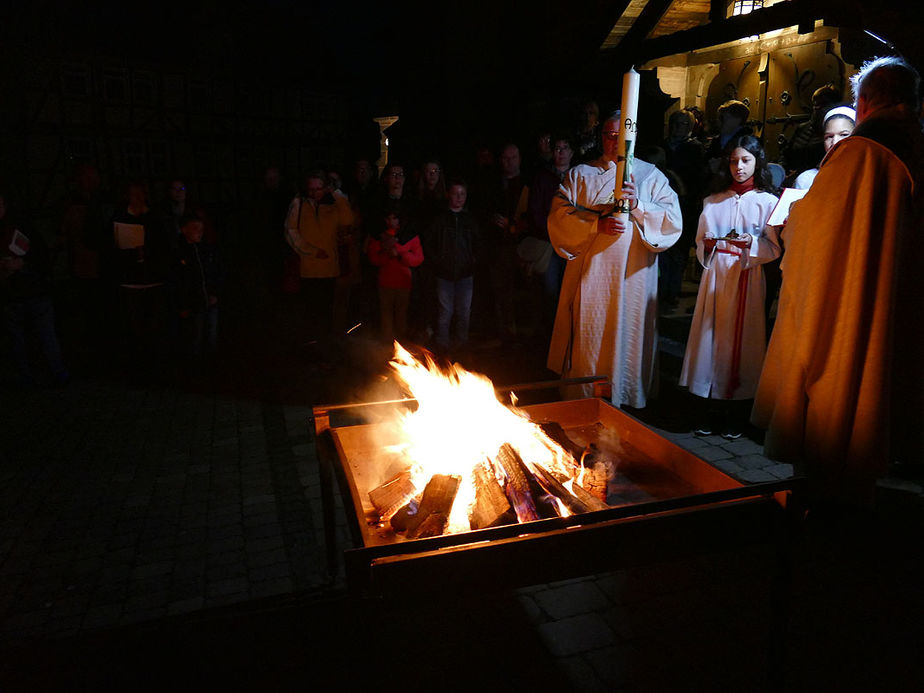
x,y
315,185
610,135
886,82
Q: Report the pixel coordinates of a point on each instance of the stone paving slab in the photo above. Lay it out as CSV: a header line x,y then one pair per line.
x,y
570,600
575,634
189,507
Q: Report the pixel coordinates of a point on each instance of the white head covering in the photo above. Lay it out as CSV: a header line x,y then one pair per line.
x,y
841,112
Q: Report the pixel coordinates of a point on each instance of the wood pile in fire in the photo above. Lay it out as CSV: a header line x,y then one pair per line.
x,y
508,490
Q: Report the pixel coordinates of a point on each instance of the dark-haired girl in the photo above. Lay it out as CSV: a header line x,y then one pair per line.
x,y
725,350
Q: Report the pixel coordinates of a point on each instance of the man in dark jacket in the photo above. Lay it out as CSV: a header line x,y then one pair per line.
x,y
501,211
449,251
195,280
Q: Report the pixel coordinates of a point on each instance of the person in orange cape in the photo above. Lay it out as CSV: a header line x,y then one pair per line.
x,y
841,391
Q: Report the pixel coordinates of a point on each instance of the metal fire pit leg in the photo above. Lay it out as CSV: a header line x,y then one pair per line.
x,y
786,533
326,454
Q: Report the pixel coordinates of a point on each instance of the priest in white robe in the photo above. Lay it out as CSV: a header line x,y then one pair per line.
x,y
606,323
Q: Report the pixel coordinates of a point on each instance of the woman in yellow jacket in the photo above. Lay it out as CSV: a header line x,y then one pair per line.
x,y
312,225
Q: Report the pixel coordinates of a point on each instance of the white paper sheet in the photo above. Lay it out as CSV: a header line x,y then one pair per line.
x,y
128,236
19,243
780,213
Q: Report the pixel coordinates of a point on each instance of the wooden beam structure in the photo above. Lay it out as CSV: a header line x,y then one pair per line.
x,y
781,15
644,24
603,22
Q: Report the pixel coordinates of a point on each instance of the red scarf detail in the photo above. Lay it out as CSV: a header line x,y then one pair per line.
x,y
741,188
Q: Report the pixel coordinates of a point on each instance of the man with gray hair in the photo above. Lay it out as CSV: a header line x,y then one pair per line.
x,y
841,390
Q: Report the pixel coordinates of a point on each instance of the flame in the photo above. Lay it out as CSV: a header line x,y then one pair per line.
x,y
460,423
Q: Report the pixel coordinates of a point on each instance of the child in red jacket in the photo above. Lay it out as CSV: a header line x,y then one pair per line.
x,y
394,252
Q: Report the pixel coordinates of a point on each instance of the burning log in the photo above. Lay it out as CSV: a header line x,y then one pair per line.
x,y
528,498
491,507
585,456
554,430
595,481
404,515
574,504
588,498
433,526
437,499
517,487
393,494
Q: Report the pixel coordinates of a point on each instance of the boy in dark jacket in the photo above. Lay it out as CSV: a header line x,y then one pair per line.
x,y
449,252
195,285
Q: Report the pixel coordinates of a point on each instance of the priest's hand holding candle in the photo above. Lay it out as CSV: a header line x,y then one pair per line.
x,y
616,224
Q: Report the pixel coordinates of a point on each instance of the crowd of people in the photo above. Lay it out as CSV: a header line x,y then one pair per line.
x,y
142,282
421,252
531,247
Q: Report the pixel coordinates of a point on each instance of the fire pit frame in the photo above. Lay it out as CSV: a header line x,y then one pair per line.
x,y
552,549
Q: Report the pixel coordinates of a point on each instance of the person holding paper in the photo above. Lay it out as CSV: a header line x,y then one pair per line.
x,y
725,350
27,314
840,393
606,323
141,253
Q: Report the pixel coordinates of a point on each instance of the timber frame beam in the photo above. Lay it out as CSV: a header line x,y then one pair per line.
x,y
802,13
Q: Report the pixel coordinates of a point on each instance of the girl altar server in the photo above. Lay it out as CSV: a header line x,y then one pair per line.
x,y
727,343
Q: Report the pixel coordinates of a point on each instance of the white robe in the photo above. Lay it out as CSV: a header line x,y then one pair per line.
x,y
727,343
606,322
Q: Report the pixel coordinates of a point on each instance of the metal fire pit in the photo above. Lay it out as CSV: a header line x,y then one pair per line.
x,y
675,505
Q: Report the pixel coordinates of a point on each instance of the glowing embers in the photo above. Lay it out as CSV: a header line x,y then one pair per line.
x,y
470,462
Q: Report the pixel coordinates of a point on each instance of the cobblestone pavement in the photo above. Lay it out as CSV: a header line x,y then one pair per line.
x,y
152,527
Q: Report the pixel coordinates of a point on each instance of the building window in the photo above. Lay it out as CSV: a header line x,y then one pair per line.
x,y
174,92
75,81
133,158
114,85
204,156
746,6
143,89
158,158
198,97
79,149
